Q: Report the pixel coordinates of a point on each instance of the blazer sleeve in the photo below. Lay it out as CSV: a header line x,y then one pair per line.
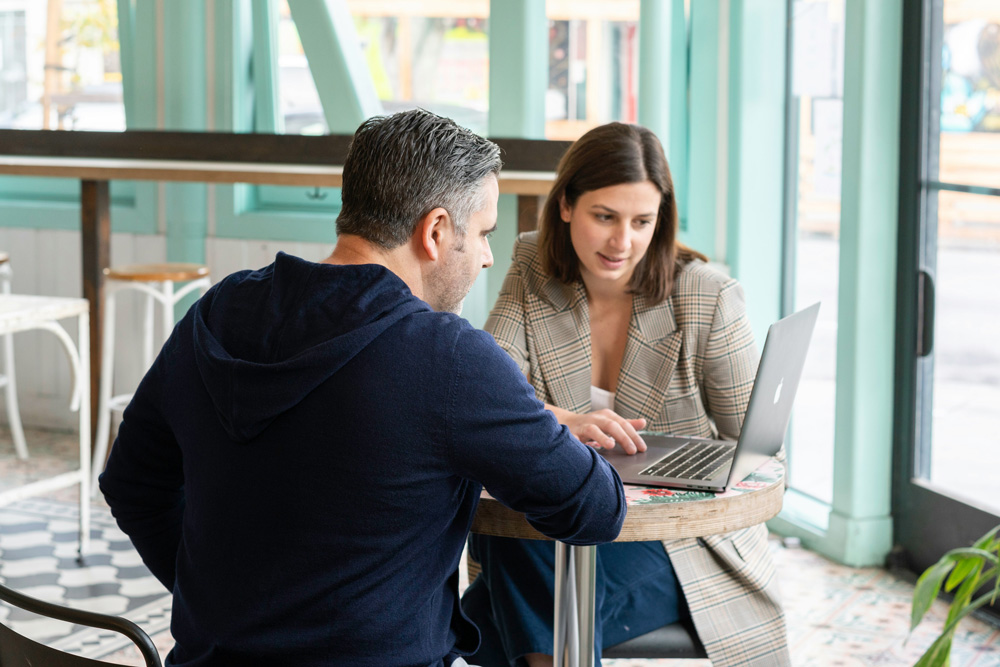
x,y
506,322
730,362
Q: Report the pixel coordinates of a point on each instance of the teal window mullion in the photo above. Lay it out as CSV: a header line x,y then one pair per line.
x,y
345,87
267,82
126,51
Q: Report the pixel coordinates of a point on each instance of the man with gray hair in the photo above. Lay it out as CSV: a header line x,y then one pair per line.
x,y
301,464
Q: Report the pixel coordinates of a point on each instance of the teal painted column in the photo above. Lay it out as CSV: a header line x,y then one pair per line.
x,y
860,523
184,108
267,101
756,155
519,42
663,85
234,81
127,53
139,39
338,68
519,57
703,187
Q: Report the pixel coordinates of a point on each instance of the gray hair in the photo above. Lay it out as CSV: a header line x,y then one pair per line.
x,y
401,167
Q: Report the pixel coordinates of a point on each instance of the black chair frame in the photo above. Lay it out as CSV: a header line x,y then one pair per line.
x,y
17,650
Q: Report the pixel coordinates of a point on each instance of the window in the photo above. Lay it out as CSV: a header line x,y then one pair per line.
x,y
814,137
60,66
593,66
299,102
962,255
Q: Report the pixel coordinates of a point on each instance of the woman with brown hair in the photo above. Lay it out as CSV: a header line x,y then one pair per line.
x,y
620,327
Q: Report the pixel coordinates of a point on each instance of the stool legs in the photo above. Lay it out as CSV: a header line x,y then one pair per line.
x,y
104,396
83,375
10,383
169,301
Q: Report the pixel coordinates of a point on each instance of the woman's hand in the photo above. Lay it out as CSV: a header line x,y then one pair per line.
x,y
603,428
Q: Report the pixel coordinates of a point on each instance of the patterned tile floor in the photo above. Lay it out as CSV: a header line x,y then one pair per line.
x,y
837,616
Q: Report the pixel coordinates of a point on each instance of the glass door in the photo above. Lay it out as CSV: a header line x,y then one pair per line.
x,y
947,482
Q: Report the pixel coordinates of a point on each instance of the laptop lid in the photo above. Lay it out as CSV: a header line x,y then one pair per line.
x,y
774,389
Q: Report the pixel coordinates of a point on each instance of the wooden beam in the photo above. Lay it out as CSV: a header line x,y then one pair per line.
x,y
329,149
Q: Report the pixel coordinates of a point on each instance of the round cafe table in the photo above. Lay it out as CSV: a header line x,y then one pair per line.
x,y
653,514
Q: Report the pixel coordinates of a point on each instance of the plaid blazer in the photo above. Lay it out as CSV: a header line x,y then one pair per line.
x,y
688,368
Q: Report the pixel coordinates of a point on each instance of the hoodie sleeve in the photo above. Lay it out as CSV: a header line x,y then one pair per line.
x,y
143,481
501,436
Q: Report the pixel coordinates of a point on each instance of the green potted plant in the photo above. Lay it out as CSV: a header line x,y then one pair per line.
x,y
966,569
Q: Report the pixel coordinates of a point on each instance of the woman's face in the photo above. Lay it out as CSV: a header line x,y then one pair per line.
x,y
611,229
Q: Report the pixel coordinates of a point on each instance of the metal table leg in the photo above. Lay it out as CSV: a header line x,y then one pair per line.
x,y
573,624
585,562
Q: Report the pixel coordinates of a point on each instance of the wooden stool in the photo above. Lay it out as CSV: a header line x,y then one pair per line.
x,y
157,282
7,381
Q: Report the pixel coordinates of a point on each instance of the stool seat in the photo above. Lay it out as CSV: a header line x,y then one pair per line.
x,y
678,641
174,271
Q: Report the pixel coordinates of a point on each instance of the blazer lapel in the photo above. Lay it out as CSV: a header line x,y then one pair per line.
x,y
563,351
651,354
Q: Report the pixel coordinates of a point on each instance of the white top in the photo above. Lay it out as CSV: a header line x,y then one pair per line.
x,y
601,399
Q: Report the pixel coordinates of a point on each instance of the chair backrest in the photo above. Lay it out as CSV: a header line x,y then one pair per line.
x,y
19,651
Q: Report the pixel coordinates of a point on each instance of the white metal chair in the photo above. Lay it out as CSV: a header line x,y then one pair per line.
x,y
7,380
22,312
157,282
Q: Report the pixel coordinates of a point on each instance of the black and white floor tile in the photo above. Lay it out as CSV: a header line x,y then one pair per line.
x,y
38,557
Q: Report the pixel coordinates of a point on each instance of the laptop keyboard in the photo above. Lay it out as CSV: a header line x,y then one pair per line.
x,y
695,460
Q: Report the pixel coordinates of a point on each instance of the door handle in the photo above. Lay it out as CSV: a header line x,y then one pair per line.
x,y
925,313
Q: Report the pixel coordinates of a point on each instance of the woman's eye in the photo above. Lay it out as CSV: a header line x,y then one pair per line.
x,y
603,217
644,222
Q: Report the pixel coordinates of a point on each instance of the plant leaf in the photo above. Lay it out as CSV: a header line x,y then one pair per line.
x,y
938,654
961,552
927,589
984,541
965,591
963,568
949,628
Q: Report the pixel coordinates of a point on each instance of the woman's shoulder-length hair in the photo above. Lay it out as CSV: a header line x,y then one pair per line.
x,y
609,155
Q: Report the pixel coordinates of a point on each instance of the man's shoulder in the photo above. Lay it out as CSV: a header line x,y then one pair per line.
x,y
446,332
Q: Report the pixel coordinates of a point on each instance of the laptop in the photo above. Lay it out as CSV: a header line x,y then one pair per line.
x,y
711,465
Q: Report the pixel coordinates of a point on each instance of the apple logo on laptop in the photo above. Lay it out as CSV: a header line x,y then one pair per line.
x,y
777,392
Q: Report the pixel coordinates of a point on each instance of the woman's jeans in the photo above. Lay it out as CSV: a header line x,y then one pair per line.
x,y
512,600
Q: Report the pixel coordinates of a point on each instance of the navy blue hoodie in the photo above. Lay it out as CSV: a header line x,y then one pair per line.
x,y
302,462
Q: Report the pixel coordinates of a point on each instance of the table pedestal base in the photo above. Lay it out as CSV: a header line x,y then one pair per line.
x,y
575,614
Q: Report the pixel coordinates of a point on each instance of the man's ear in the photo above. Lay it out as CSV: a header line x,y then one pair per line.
x,y
433,231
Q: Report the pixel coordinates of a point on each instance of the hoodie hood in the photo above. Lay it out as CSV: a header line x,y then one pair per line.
x,y
263,340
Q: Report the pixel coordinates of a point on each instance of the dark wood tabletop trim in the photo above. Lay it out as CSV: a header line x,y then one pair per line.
x,y
331,149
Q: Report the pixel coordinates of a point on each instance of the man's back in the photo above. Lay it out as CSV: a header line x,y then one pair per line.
x,y
302,463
